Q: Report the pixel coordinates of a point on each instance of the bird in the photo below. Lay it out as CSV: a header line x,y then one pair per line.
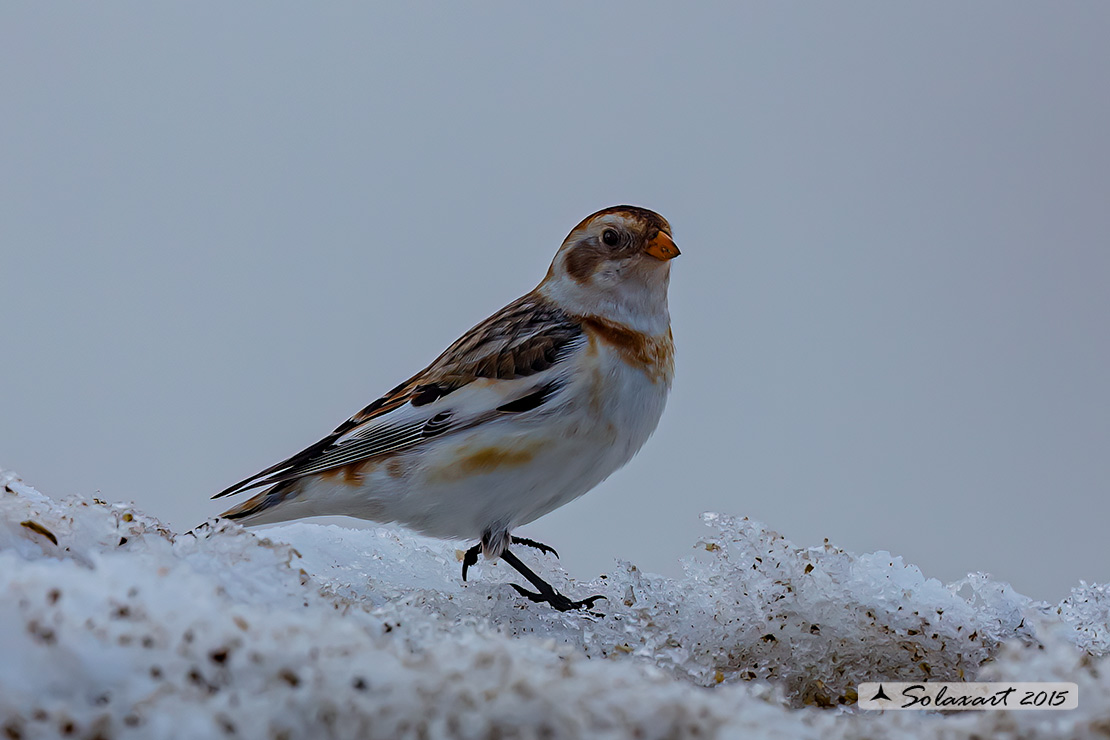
x,y
525,412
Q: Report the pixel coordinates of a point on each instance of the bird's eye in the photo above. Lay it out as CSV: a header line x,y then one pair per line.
x,y
611,237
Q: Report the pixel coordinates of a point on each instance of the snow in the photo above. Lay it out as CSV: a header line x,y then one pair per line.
x,y
113,626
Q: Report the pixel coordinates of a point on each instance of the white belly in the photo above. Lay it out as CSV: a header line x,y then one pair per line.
x,y
509,476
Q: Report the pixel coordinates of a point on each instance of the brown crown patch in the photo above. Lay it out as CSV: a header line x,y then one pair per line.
x,y
651,220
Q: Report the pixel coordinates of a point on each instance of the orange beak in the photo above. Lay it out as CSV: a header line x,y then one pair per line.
x,y
662,247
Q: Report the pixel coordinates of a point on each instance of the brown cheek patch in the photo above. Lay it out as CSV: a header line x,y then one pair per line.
x,y
653,355
582,262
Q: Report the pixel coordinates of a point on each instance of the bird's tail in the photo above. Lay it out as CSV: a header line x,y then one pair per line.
x,y
259,509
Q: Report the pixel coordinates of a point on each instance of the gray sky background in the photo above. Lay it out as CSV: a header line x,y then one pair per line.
x,y
226,227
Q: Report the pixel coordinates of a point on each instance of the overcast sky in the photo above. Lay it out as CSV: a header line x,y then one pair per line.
x,y
226,227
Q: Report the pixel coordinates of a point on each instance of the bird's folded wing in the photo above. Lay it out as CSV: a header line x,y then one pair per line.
x,y
520,353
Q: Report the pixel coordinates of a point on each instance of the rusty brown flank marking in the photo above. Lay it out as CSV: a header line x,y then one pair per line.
x,y
351,474
394,468
485,460
491,458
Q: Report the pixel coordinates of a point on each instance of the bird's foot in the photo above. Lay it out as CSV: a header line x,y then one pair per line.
x,y
470,557
557,600
545,592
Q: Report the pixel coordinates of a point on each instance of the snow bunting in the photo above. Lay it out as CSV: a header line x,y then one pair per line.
x,y
524,413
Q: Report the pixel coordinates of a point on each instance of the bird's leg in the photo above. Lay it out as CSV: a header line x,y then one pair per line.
x,y
545,592
471,558
537,545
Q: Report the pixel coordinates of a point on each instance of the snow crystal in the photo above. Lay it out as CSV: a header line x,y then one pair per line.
x,y
113,626
1087,611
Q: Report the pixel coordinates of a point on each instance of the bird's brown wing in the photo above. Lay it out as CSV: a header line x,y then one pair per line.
x,y
529,337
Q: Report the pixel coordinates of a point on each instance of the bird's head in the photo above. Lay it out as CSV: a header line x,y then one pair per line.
x,y
615,265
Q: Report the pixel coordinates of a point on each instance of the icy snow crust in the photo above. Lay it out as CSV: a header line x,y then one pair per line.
x,y
113,626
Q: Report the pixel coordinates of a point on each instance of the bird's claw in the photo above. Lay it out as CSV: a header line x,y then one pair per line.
x,y
470,558
536,545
